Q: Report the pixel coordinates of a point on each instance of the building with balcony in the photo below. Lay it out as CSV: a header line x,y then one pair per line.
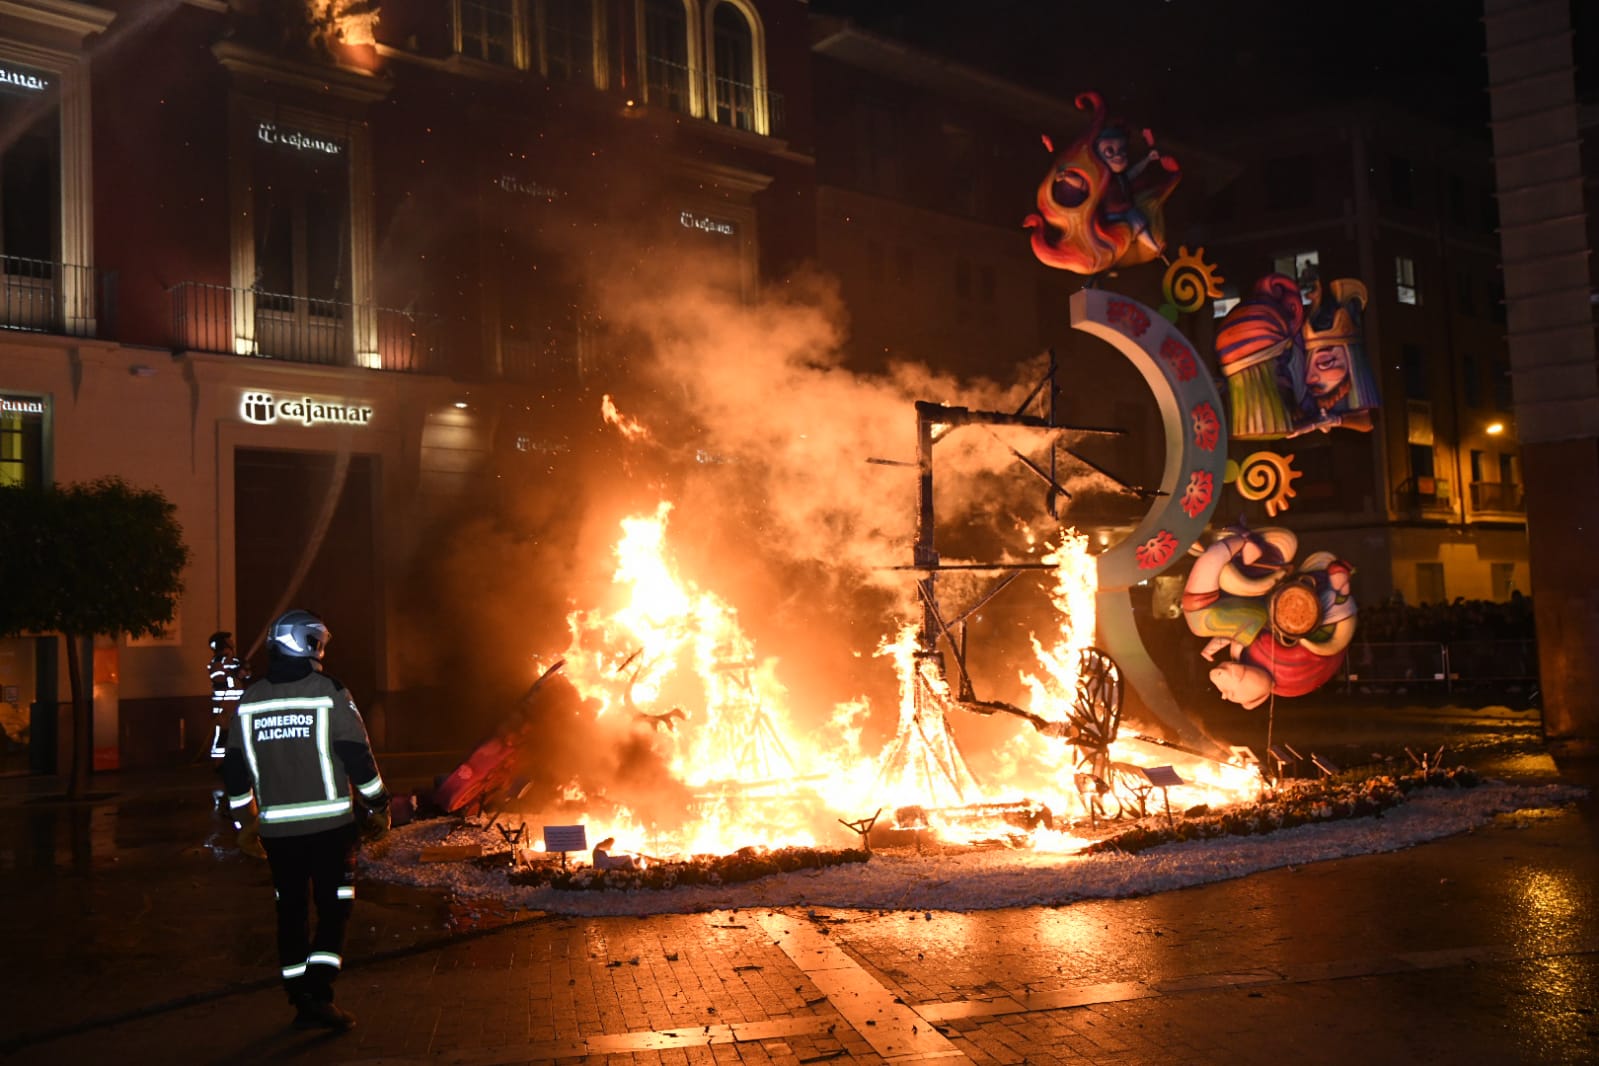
x,y
328,284
1429,503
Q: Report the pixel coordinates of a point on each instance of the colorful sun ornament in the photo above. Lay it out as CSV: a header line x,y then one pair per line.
x,y
1266,476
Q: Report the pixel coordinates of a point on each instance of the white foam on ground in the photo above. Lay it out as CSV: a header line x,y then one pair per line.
x,y
988,880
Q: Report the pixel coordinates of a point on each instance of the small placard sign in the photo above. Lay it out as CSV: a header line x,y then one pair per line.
x,y
565,838
1162,776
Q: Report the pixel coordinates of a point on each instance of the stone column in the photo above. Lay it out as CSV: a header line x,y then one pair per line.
x,y
1555,372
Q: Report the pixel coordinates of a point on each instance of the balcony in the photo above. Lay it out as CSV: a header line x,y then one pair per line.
x,y
734,103
1417,494
297,329
1502,496
39,296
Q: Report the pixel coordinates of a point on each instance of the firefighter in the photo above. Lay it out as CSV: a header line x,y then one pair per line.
x,y
229,674
304,787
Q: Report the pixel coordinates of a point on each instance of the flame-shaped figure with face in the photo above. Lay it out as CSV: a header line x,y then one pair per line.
x,y
1286,630
1098,207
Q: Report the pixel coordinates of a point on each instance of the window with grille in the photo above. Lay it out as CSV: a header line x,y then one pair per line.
x,y
302,230
666,58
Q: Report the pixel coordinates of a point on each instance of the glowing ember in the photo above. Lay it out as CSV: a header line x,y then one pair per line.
x,y
631,428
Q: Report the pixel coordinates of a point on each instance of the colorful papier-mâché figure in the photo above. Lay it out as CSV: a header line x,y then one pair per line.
x,y
1333,382
1286,630
1100,206
1292,369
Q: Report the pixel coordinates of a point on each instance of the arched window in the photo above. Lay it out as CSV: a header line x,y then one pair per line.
x,y
733,75
668,62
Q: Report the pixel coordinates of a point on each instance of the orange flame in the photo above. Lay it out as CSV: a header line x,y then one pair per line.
x,y
631,428
673,661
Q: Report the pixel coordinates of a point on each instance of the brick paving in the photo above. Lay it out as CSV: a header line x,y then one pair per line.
x,y
129,941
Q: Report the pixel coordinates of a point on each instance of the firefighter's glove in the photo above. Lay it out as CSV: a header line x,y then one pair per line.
x,y
376,825
249,839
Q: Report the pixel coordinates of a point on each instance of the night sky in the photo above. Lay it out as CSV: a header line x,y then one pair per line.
x,y
1191,63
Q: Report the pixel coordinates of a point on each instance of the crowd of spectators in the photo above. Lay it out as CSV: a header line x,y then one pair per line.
x,y
1395,621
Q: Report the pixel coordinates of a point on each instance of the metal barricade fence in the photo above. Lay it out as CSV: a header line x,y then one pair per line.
x,y
1397,663
1493,661
1447,664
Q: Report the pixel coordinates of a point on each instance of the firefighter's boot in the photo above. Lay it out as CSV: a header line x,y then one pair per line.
x,y
316,1013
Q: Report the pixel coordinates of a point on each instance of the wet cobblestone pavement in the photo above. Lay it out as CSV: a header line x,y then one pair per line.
x,y
134,934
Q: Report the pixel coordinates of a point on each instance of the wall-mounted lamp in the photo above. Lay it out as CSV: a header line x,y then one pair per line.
x,y
460,405
1495,428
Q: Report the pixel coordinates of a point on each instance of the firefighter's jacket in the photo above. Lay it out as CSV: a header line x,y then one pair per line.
x,y
228,675
295,751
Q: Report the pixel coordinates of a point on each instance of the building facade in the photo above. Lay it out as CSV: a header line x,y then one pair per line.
x,y
1429,503
326,282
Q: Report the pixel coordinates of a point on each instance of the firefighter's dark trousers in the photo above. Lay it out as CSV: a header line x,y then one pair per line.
x,y
314,870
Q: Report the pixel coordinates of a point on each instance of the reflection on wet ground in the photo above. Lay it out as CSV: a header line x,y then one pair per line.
x,y
131,910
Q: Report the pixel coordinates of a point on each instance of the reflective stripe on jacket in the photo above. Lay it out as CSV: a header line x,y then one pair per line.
x,y
297,738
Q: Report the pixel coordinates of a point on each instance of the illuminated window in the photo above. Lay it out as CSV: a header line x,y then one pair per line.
x,y
21,445
1303,266
668,70
1226,301
1405,280
487,30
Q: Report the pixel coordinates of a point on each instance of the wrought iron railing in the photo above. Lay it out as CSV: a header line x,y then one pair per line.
x,y
1419,493
667,84
233,321
746,107
738,104
1496,496
41,296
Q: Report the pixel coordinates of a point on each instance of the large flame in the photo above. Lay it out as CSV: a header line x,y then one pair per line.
x,y
676,662
670,661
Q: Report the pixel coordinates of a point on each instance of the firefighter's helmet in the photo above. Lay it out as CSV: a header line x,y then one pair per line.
x,y
221,640
299,634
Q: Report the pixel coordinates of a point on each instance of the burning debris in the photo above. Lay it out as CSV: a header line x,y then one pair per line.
x,y
706,753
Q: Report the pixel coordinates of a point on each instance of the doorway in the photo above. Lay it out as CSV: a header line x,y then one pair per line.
x,y
317,512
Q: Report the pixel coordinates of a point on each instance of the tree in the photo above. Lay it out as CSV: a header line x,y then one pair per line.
x,y
95,558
